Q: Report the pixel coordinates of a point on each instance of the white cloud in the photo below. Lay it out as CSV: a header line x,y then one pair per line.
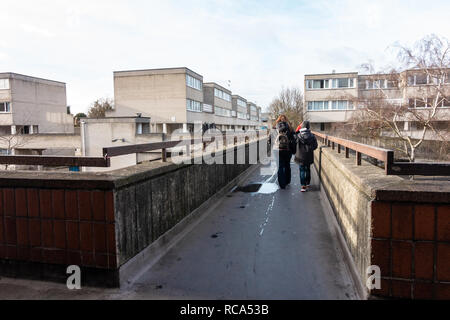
x,y
260,46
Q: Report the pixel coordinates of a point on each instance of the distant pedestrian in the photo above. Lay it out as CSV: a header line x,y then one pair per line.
x,y
283,147
304,156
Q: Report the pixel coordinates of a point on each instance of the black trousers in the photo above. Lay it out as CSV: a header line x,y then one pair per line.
x,y
284,168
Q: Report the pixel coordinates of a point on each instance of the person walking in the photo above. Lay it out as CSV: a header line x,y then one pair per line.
x,y
283,144
304,155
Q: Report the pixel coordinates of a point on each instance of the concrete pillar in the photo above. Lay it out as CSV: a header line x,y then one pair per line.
x,y
185,129
31,129
165,128
13,130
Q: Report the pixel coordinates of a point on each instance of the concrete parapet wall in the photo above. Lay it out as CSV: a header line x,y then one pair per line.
x,y
98,221
402,226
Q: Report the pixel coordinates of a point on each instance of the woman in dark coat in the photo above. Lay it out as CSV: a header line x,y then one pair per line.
x,y
283,146
304,155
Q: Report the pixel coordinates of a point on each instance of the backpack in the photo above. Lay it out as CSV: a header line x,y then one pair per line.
x,y
283,141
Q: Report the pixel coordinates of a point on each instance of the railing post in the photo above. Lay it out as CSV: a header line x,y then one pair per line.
x,y
347,152
332,145
339,148
164,155
188,148
389,161
358,158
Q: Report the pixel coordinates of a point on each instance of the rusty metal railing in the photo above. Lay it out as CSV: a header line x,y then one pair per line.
x,y
387,156
108,152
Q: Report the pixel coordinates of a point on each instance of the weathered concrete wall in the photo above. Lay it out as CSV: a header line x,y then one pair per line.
x,y
147,209
97,221
400,225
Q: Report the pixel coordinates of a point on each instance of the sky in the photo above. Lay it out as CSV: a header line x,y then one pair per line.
x,y
255,48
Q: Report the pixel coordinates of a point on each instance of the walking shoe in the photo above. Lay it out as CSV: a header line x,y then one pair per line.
x,y
303,189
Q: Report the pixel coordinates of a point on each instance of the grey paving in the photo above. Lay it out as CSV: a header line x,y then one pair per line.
x,y
253,246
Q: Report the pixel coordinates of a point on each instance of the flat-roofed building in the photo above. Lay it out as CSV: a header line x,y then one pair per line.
x,y
329,98
30,105
168,96
175,98
333,98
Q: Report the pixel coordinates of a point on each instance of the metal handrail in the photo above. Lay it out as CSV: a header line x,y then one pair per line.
x,y
109,152
387,156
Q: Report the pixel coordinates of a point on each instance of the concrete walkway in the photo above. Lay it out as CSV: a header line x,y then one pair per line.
x,y
272,244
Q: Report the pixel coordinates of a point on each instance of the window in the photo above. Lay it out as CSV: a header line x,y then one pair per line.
x,y
330,105
343,83
253,108
319,84
4,152
222,112
421,79
193,82
447,78
242,115
192,105
142,128
5,107
4,84
308,84
222,95
391,84
241,103
446,102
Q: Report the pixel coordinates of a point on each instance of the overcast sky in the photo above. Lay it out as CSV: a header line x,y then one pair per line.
x,y
260,46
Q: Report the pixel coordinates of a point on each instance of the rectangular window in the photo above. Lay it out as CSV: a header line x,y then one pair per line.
x,y
421,79
4,152
318,84
391,84
334,105
4,84
241,103
350,105
447,78
325,105
446,102
352,83
5,107
343,83
222,95
412,103
420,103
342,105
193,82
310,105
308,84
242,115
192,105
334,83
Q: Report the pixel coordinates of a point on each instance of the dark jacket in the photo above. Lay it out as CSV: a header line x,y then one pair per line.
x,y
306,144
283,127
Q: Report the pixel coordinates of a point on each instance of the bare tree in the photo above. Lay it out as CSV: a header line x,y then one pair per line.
x,y
77,117
423,78
99,107
290,103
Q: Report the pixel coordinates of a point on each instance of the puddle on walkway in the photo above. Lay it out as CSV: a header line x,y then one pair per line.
x,y
268,188
250,188
262,188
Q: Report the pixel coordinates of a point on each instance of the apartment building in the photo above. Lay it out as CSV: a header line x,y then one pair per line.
x,y
177,98
30,105
333,98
